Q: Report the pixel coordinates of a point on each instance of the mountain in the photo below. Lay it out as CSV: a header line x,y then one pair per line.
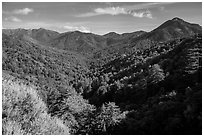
x,y
17,33
41,35
169,30
92,45
175,28
112,44
84,43
111,35
103,48
133,34
114,39
39,63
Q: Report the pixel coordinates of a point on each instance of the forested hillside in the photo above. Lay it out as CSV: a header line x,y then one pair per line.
x,y
143,83
160,87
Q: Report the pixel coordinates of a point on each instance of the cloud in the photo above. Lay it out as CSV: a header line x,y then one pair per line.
x,y
141,14
14,19
24,11
117,11
102,11
147,5
77,28
111,10
136,10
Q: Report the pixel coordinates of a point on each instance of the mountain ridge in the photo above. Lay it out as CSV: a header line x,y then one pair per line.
x,y
101,46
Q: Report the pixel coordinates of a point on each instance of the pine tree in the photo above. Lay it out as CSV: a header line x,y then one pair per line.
x,y
109,116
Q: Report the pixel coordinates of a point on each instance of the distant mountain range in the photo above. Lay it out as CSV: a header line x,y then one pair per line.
x,y
42,35
90,44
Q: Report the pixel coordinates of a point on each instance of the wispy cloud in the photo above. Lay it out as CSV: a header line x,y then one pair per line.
x,y
117,11
102,11
138,10
13,19
24,11
147,5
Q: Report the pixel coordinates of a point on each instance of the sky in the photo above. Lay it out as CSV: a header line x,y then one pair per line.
x,y
97,17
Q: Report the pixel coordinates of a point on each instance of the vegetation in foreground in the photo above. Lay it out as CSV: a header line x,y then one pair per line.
x,y
24,112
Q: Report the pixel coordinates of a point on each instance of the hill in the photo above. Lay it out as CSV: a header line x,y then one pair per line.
x,y
39,79
41,35
89,45
41,65
92,45
83,43
165,78
172,29
111,35
109,45
175,28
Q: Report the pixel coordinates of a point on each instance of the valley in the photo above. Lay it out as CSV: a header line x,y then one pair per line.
x,y
139,83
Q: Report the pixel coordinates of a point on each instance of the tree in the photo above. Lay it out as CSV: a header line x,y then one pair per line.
x,y
108,116
156,74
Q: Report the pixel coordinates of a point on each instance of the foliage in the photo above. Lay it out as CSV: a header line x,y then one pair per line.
x,y
107,117
25,113
156,74
152,88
